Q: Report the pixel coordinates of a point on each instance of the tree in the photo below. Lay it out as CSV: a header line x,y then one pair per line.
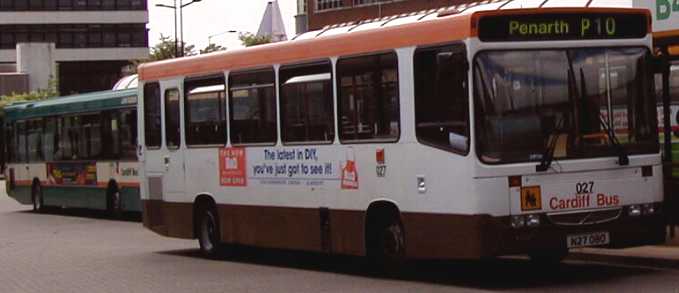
x,y
250,40
41,94
165,49
212,48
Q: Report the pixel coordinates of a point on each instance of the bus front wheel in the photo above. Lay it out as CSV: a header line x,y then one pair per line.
x,y
548,257
209,237
36,196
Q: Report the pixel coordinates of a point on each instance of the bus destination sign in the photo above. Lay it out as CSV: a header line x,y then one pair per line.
x,y
560,26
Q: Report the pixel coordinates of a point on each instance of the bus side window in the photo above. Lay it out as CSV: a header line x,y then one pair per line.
x,y
205,111
172,131
49,140
307,113
127,132
152,125
368,98
34,140
21,155
252,107
442,97
10,141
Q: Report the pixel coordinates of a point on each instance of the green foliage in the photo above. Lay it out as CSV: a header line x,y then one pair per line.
x,y
249,39
165,49
212,48
51,92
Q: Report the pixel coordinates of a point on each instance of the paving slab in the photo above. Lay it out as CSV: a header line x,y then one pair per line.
x,y
664,256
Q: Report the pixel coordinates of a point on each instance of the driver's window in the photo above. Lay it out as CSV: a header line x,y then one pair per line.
x,y
442,97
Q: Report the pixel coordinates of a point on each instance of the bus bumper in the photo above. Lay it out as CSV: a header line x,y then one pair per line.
x,y
482,236
623,232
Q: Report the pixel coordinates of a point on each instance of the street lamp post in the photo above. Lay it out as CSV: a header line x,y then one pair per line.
x,y
176,41
181,20
177,52
209,38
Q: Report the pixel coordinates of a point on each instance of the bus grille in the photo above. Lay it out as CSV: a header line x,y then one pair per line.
x,y
585,218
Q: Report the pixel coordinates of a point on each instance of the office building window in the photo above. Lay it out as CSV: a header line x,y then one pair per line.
x,y
76,36
52,5
328,4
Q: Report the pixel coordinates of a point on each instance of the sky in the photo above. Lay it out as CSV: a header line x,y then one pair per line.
x,y
213,17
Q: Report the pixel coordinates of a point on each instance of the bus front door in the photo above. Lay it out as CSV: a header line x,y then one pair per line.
x,y
173,155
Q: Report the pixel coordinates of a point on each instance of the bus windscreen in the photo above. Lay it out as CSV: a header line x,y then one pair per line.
x,y
562,26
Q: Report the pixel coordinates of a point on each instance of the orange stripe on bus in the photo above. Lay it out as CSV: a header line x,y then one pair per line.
x,y
666,34
23,182
444,29
101,184
426,32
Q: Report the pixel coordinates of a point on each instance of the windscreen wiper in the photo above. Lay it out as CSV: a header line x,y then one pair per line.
x,y
548,154
623,158
553,138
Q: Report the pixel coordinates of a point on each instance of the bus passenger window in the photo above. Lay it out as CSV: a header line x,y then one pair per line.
x,y
21,155
34,140
306,98
252,107
127,132
205,111
49,139
152,128
11,142
172,131
442,97
368,98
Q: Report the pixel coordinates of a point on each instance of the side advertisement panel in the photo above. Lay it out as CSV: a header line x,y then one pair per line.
x,y
72,173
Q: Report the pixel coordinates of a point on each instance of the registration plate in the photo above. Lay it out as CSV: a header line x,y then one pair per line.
x,y
590,239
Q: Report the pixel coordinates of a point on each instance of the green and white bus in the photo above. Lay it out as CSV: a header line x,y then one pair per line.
x,y
75,152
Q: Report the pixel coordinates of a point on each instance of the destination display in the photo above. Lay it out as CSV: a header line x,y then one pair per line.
x,y
560,26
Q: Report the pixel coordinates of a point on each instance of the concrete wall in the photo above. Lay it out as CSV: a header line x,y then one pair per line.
x,y
74,17
13,83
8,68
86,54
37,60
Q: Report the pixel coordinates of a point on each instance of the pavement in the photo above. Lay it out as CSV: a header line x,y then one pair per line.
x,y
665,256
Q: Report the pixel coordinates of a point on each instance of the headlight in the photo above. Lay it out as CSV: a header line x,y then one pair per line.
x,y
518,222
649,209
533,221
634,211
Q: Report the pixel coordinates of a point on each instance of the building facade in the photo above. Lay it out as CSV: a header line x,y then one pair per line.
x,y
316,14
93,39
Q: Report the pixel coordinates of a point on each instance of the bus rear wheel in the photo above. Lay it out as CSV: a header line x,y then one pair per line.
x,y
113,206
386,251
36,196
209,237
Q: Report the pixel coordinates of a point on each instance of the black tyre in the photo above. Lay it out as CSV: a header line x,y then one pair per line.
x,y
36,196
113,206
548,257
387,247
209,236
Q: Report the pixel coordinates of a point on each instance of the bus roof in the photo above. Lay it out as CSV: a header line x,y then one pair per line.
x,y
426,27
90,102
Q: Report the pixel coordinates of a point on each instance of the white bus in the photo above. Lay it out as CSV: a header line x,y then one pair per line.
x,y
471,132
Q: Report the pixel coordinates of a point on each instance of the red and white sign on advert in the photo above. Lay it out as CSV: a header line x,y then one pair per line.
x,y
232,167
